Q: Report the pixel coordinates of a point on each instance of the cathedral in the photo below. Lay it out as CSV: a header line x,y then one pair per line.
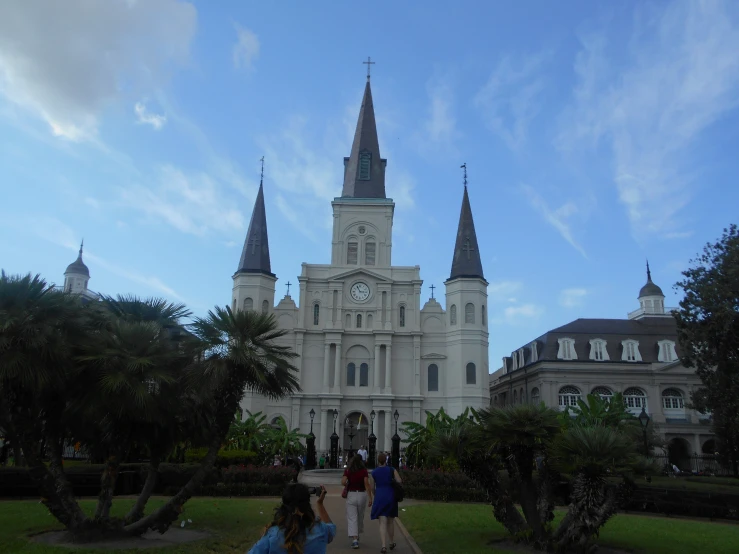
x,y
366,347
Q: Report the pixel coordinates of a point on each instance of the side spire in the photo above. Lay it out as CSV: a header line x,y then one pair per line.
x,y
466,261
364,169
255,255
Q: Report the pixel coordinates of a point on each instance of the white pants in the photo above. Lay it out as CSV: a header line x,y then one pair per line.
x,y
356,502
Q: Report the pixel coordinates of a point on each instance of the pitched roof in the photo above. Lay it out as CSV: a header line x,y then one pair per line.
x,y
255,255
466,260
372,183
78,267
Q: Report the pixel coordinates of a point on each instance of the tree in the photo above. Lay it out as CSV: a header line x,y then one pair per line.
x,y
708,334
284,441
421,438
249,434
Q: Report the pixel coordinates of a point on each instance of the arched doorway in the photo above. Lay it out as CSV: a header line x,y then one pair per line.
x,y
356,431
709,447
678,453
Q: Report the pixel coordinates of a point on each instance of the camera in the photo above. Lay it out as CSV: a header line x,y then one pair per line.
x,y
315,490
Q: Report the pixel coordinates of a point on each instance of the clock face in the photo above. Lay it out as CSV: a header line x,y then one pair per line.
x,y
360,292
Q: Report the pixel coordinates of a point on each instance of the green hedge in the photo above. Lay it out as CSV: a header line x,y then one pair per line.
x,y
225,458
242,489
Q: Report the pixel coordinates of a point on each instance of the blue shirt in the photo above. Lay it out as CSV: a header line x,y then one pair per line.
x,y
316,540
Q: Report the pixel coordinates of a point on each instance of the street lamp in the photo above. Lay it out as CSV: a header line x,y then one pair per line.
x,y
349,423
372,440
395,455
335,444
644,422
310,444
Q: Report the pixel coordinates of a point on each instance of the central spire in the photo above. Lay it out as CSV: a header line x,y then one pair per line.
x,y
364,169
466,262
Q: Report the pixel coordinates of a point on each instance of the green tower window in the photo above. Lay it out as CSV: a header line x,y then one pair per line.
x,y
365,161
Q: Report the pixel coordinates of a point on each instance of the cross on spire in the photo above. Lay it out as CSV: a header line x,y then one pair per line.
x,y
261,177
288,287
649,273
369,63
82,245
254,242
467,247
464,167
432,287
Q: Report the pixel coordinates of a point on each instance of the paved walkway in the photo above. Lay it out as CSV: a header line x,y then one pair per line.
x,y
370,540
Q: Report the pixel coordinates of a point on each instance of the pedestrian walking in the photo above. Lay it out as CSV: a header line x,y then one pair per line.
x,y
384,506
295,527
358,496
322,462
363,452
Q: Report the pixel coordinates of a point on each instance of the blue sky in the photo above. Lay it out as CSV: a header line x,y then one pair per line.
x,y
596,134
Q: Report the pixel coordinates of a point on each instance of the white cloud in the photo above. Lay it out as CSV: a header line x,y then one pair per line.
x,y
524,312
571,298
557,218
439,130
65,61
246,49
146,117
501,291
510,99
194,204
651,98
61,234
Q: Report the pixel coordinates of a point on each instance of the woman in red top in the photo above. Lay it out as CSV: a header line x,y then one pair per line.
x,y
358,497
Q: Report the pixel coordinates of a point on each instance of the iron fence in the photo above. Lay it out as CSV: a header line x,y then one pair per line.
x,y
696,464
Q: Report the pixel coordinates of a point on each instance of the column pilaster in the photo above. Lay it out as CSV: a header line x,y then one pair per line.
x,y
326,356
337,368
377,367
388,381
323,438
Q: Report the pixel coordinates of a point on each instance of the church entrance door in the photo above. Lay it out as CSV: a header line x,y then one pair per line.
x,y
355,433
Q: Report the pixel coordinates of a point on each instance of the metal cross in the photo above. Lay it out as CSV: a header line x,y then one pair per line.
x,y
288,287
464,166
432,287
369,63
253,242
261,178
467,246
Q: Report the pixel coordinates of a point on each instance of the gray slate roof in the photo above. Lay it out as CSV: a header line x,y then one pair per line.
x,y
365,141
78,266
466,261
255,255
648,331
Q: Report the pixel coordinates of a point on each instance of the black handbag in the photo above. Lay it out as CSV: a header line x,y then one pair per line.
x,y
397,488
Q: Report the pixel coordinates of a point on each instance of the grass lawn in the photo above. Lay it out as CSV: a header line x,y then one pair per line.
x,y
234,523
469,528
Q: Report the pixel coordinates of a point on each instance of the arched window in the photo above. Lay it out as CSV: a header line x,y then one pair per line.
x,y
369,253
433,378
369,321
348,320
535,396
352,251
568,396
350,377
363,375
316,313
484,316
248,304
672,401
515,397
635,400
604,392
453,315
359,321
495,400
469,313
265,307
234,305
402,316
521,396
471,374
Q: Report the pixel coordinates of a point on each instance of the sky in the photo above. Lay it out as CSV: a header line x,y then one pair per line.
x,y
596,135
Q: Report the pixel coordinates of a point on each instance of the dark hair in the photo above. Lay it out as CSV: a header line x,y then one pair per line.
x,y
356,464
294,517
381,458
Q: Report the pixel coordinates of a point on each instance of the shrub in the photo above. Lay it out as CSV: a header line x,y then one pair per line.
x,y
225,458
242,489
251,474
175,476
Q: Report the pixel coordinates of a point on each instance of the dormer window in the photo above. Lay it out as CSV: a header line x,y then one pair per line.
x,y
534,352
598,350
630,351
666,351
365,162
566,349
521,358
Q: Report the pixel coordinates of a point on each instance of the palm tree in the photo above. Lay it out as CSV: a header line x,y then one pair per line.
x,y
239,353
249,434
281,440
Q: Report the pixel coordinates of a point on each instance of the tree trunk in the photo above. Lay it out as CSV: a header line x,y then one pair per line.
x,y
107,487
56,492
137,511
530,506
162,518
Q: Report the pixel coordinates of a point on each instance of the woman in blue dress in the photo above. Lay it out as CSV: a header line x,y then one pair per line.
x,y
384,506
295,528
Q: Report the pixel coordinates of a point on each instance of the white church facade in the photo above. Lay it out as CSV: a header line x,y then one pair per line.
x,y
365,343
